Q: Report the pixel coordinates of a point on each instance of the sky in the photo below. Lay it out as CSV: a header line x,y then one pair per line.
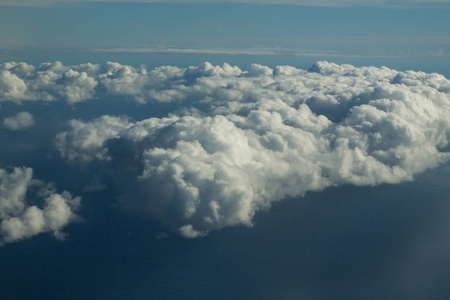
x,y
340,29
224,149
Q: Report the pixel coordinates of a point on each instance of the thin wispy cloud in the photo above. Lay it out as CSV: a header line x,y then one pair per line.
x,y
315,53
218,51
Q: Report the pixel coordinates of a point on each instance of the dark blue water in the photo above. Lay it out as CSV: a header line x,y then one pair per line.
x,y
389,242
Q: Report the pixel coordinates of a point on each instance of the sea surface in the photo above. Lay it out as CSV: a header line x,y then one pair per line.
x,y
387,242
384,242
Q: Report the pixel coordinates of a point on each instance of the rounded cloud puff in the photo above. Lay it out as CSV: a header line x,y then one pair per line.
x,y
20,121
20,216
264,136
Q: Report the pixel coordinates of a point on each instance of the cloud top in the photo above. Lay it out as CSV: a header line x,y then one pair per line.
x,y
53,81
264,135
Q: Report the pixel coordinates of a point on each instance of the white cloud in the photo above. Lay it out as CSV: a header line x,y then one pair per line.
x,y
21,120
28,207
85,140
54,81
47,82
267,134
225,51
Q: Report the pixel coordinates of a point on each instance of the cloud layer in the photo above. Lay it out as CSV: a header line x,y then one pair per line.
x,y
29,207
262,135
54,81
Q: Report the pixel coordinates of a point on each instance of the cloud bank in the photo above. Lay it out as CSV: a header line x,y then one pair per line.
x,y
262,135
20,121
53,81
29,207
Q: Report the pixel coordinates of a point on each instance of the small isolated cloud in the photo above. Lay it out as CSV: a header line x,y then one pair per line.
x,y
264,135
29,207
21,120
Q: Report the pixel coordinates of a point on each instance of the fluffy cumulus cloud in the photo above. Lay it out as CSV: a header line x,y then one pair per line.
x,y
54,81
263,135
21,120
46,82
29,207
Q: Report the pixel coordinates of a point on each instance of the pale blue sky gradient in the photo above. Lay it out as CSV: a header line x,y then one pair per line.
x,y
231,27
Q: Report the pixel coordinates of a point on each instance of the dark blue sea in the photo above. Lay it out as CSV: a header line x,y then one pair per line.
x,y
385,242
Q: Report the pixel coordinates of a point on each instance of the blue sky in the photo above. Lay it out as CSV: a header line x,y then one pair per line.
x,y
416,30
